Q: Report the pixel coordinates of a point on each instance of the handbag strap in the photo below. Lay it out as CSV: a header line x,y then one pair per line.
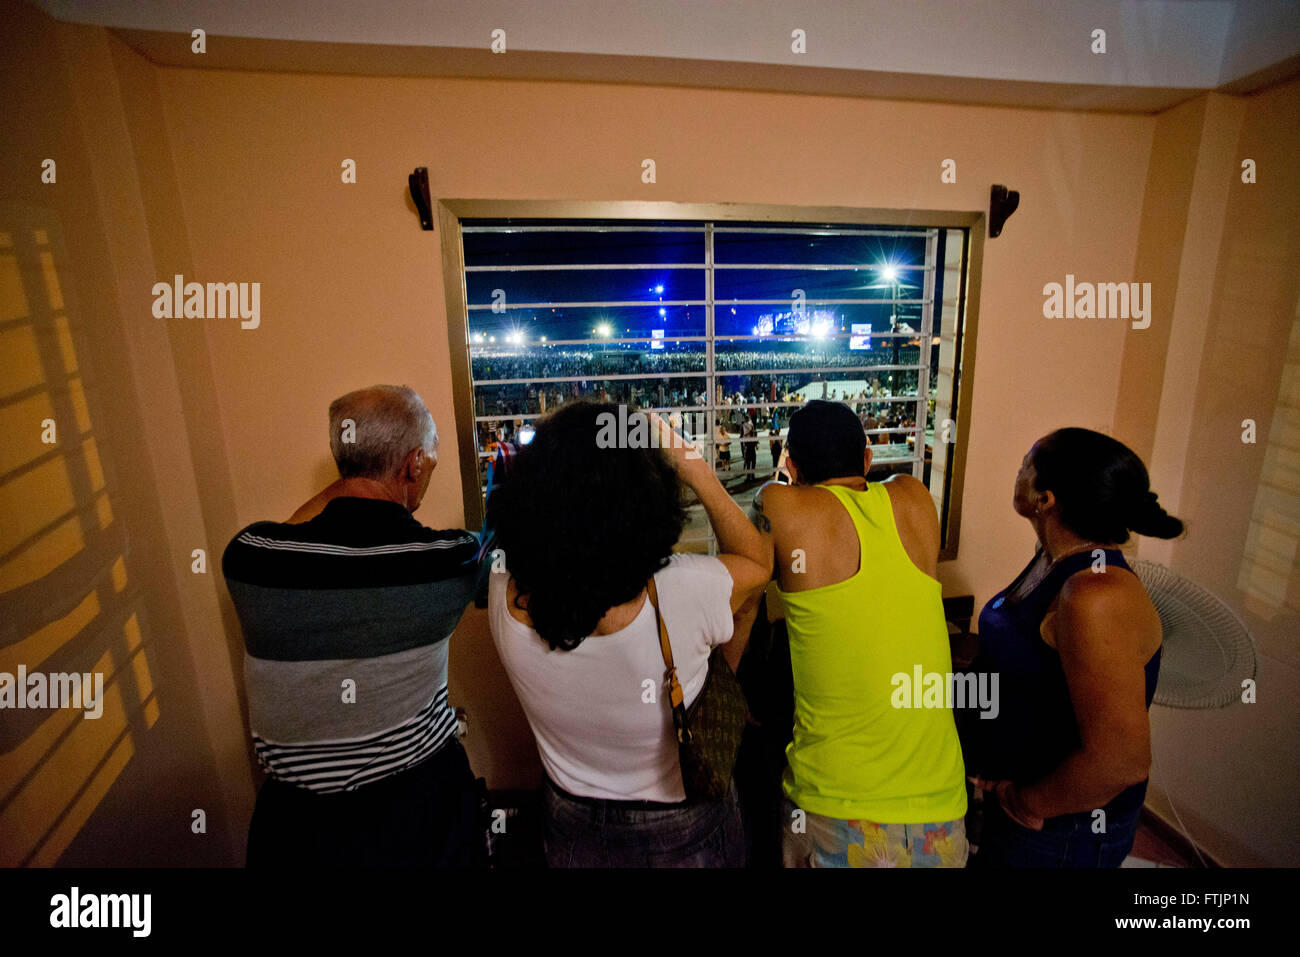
x,y
676,699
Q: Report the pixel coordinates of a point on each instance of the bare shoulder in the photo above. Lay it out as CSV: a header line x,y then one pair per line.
x,y
773,500
907,487
1109,592
1103,587
916,519
783,509
911,498
772,495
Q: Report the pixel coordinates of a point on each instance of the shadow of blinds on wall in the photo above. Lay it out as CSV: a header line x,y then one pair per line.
x,y
1271,558
68,603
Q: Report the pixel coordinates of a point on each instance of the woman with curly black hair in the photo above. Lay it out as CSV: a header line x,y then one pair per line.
x,y
1075,644
583,523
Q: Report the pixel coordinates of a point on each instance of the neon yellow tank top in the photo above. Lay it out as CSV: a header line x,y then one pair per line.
x,y
855,755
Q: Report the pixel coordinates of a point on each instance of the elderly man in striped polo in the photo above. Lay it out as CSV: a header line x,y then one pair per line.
x,y
346,610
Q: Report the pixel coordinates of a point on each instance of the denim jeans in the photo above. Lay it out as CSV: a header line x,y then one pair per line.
x,y
589,832
1065,841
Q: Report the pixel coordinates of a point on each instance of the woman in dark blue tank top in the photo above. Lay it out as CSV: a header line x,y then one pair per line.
x,y
1075,644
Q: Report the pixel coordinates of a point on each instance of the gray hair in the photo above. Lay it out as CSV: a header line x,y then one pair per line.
x,y
388,423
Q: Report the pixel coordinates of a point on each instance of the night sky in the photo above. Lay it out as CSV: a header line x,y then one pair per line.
x,y
657,285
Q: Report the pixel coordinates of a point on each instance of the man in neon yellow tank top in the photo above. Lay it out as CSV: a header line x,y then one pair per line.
x,y
875,778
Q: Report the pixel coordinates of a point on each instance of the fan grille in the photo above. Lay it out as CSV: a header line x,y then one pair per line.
x,y
1207,650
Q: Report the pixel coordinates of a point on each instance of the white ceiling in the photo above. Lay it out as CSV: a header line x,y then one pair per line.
x,y
1166,45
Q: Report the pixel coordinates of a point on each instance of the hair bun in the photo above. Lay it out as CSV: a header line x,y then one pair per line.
x,y
1143,507
1150,518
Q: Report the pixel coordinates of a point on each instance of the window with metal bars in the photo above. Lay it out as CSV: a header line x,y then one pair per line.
x,y
725,327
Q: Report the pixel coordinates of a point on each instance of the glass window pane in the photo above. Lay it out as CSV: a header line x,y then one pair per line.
x,y
536,398
810,320
849,250
526,327
546,286
788,285
555,248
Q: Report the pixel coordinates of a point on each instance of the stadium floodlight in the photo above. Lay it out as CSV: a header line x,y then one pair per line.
x,y
659,290
492,338
603,330
543,338
890,273
663,311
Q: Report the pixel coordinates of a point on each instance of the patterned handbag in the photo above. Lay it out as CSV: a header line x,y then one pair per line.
x,y
708,735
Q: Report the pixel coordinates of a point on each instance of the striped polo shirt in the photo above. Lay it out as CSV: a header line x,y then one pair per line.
x,y
346,620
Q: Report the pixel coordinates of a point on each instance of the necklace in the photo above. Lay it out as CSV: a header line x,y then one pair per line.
x,y
1041,569
1081,548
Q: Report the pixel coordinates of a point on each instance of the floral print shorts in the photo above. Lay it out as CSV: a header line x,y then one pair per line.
x,y
811,840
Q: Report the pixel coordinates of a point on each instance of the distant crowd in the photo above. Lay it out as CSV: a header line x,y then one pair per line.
x,y
558,364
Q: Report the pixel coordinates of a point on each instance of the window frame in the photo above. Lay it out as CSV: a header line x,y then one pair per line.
x,y
450,212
